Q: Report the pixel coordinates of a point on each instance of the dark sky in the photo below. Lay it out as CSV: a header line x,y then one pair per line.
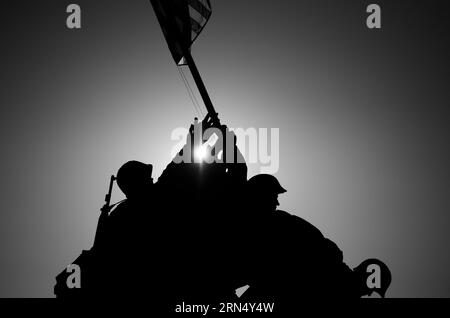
x,y
363,117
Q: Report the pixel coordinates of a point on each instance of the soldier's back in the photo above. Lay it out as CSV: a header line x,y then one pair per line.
x,y
291,258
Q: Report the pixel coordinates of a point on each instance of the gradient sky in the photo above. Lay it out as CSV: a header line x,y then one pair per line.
x,y
363,118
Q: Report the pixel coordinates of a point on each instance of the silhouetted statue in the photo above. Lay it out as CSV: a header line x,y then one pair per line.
x,y
202,231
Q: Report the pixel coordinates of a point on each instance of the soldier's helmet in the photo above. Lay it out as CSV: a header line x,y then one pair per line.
x,y
265,184
134,178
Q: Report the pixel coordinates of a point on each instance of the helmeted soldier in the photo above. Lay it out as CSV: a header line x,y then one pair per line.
x,y
135,180
289,257
263,190
127,231
122,235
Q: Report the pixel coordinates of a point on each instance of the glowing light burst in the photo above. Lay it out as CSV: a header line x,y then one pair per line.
x,y
201,153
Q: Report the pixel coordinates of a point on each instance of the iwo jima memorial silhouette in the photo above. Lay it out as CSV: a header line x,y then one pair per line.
x,y
203,231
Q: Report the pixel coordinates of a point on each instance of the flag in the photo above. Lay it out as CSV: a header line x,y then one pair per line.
x,y
182,21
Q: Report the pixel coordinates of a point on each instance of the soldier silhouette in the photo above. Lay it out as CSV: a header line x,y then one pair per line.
x,y
135,181
124,240
288,258
201,222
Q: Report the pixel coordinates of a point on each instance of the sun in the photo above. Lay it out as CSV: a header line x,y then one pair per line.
x,y
200,153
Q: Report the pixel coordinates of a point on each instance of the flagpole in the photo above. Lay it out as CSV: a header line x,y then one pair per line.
x,y
201,86
206,99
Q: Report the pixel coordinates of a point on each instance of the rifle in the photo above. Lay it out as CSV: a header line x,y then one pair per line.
x,y
105,212
108,195
86,259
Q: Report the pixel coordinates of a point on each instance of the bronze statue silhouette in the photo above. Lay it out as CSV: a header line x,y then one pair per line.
x,y
202,231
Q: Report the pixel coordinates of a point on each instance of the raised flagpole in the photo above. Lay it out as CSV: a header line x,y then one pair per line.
x,y
206,99
169,15
201,87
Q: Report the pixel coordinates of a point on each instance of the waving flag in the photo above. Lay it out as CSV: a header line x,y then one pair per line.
x,y
182,21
